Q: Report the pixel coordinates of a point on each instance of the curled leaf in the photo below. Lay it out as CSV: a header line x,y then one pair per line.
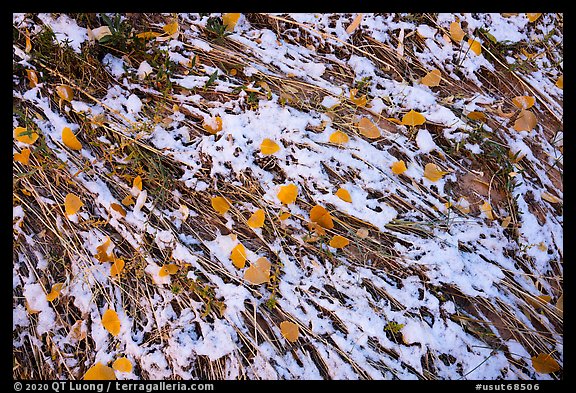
x,y
220,204
137,183
238,256
72,204
70,140
399,167
32,77
344,195
289,330
368,128
339,137
413,118
288,194
171,29
268,147
355,23
128,200
256,220
111,322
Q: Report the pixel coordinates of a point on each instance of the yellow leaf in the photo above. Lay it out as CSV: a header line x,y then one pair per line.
x,y
65,92
72,204
137,183
229,20
487,209
122,364
526,121
360,101
32,77
320,215
171,28
506,221
118,208
56,288
456,31
393,120
545,364
368,129
238,256
523,102
284,216
214,125
28,46
256,220
289,330
268,147
263,263
117,267
413,118
258,272
70,139
475,115
128,200
339,137
111,322
533,17
344,195
169,269
22,135
560,82
317,229
432,78
99,372
220,204
432,172
475,46
147,35
550,197
399,167
339,242
355,23
288,194
23,157
102,251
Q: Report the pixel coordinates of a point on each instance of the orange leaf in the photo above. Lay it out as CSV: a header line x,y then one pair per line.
x,y
268,147
360,101
65,92
487,209
72,204
28,46
137,183
147,35
289,330
475,115
456,31
339,137
475,46
560,82
432,78
32,77
320,215
23,135
413,118
258,272
256,220
355,23
238,256
339,242
368,129
317,229
122,364
70,139
56,288
393,120
102,251
117,267
545,364
533,17
220,204
99,372
169,269
344,195
214,126
118,208
111,322
432,172
399,167
229,20
526,121
284,216
23,157
128,200
523,102
288,194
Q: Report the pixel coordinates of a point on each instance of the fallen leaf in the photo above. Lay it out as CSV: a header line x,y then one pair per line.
x,y
23,157
118,208
256,220
545,364
268,147
523,102
117,267
128,200
360,101
122,364
475,115
168,270
533,17
560,304
137,183
148,35
238,256
362,233
355,23
32,77
28,46
258,272
432,172
344,195
23,135
526,121
220,204
72,204
339,242
317,229
284,216
99,372
393,120
70,139
432,78
399,167
229,20
413,118
506,221
339,137
456,31
560,82
321,216
171,29
288,194
487,210
102,251
111,322
550,197
368,129
214,125
100,32
54,292
475,46
289,330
